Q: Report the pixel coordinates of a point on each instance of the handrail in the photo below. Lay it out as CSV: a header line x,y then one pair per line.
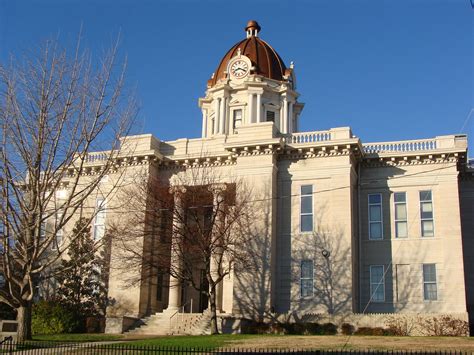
x,y
182,312
171,319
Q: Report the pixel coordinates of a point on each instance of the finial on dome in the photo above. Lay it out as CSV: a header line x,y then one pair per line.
x,y
252,28
292,64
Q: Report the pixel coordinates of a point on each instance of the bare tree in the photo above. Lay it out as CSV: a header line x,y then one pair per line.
x,y
55,110
195,223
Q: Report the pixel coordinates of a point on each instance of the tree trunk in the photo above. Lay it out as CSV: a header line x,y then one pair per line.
x,y
212,304
24,322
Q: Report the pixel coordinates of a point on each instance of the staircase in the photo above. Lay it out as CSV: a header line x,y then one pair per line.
x,y
172,323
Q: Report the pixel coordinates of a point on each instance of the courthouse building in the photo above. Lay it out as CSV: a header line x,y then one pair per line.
x,y
344,227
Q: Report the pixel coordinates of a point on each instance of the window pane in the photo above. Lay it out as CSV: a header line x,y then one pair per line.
x,y
376,274
427,229
401,229
237,114
306,288
400,197
100,218
430,292
376,198
307,190
307,223
401,211
429,272
306,269
375,213
377,292
99,231
376,230
2,280
306,204
425,195
427,209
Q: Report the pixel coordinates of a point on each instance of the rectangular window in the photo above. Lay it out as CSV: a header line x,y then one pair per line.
x,y
237,118
159,285
270,116
426,214
400,201
377,283
375,217
306,208
306,279
59,232
430,289
99,222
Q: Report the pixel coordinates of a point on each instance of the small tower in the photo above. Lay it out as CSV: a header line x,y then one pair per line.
x,y
251,85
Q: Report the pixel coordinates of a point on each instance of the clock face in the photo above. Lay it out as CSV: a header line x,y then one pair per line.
x,y
239,68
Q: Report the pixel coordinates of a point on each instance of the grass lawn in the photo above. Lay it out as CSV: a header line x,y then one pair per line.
x,y
77,338
197,341
311,342
333,342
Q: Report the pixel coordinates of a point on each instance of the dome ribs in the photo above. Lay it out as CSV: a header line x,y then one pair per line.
x,y
266,60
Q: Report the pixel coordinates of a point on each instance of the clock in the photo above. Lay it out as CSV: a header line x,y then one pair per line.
x,y
239,68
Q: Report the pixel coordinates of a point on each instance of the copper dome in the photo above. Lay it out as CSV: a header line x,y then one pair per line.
x,y
265,60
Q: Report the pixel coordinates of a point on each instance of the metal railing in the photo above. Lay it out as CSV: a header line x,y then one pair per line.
x,y
47,348
175,316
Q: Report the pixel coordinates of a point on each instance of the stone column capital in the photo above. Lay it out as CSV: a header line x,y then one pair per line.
x,y
177,189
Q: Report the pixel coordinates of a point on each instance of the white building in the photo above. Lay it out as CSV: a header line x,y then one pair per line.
x,y
391,222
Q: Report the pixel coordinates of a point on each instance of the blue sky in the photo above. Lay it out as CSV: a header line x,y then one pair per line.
x,y
392,70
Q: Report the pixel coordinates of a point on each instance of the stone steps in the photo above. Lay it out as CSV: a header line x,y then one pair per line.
x,y
180,324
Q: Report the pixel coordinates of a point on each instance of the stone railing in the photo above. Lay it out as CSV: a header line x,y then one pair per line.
x,y
308,137
400,146
95,157
318,136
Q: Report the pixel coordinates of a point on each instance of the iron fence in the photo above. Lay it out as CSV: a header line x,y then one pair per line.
x,y
46,348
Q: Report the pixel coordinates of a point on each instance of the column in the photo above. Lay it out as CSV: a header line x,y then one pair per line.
x,y
174,299
222,115
290,117
216,115
219,208
204,123
250,112
259,108
285,116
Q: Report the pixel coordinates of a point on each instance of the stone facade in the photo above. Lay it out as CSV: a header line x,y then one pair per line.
x,y
342,227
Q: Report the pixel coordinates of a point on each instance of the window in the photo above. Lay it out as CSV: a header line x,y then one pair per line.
x,y
2,280
99,222
43,230
426,214
400,200
375,217
377,283
430,290
306,279
237,118
59,232
159,285
270,116
306,208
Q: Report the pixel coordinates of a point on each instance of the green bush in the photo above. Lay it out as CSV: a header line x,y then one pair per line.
x,y
52,318
347,329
